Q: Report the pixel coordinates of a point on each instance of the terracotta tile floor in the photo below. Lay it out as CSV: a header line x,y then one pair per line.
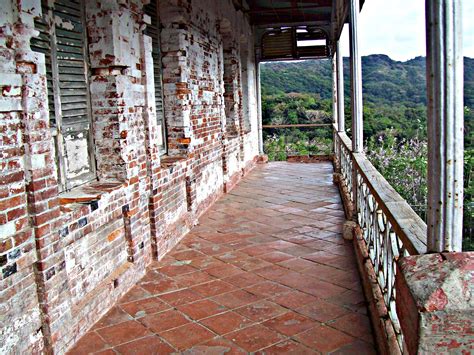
x,y
265,271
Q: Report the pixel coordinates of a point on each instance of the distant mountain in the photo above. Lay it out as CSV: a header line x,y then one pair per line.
x,y
394,94
384,81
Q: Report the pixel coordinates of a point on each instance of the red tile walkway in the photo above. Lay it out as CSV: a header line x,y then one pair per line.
x,y
265,271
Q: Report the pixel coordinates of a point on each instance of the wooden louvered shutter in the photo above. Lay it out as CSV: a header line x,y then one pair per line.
x,y
153,30
63,25
294,43
278,44
42,44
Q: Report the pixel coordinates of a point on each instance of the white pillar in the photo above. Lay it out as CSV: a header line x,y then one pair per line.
x,y
340,89
334,91
259,105
356,79
444,74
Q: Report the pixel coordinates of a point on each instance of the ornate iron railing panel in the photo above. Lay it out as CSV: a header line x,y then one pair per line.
x,y
384,248
346,163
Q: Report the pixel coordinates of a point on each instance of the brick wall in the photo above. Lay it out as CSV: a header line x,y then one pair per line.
x,y
65,258
25,204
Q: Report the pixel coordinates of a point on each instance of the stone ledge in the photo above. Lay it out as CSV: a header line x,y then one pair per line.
x,y
232,135
435,302
90,192
169,161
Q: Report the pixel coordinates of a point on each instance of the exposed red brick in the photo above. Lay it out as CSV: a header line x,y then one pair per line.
x,y
115,234
5,245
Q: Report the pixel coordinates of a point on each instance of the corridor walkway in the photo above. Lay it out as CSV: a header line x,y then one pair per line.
x,y
265,271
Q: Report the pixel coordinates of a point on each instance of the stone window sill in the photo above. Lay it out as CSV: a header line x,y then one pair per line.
x,y
232,135
89,193
168,161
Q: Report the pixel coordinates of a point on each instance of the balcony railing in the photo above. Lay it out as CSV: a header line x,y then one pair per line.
x,y
389,226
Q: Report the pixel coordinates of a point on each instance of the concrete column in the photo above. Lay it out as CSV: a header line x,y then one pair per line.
x,y
340,89
434,304
259,107
444,74
356,79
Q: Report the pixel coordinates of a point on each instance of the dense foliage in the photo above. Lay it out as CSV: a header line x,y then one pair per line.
x,y
394,119
404,164
394,93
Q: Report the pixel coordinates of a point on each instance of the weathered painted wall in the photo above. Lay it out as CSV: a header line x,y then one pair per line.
x,y
435,302
65,258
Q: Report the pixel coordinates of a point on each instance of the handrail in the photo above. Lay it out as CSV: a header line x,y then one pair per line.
x,y
299,125
346,140
409,227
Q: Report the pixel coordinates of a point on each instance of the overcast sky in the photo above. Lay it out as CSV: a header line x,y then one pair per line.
x,y
397,28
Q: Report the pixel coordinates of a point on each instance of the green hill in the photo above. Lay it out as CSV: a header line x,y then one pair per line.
x,y
384,80
394,93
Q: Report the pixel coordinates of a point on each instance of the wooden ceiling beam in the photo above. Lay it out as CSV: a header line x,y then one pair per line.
x,y
288,9
271,20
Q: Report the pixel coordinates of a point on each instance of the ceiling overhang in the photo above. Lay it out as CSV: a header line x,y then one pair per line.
x,y
328,16
267,12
